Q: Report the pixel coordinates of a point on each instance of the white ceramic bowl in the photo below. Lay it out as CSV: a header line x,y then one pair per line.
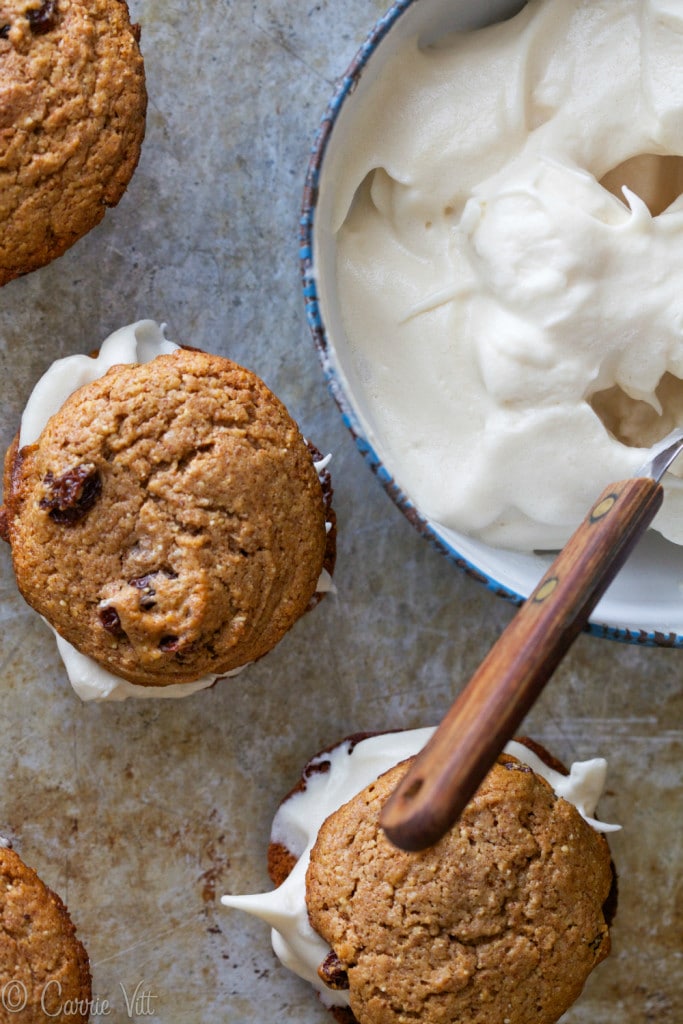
x,y
644,605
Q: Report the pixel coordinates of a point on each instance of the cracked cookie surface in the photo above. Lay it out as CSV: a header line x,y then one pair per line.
x,y
72,121
169,522
502,920
44,969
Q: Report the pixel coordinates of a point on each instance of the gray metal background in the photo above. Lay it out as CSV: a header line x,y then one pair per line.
x,y
141,814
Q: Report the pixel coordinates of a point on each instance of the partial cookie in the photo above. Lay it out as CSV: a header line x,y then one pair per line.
x,y
169,521
72,121
44,969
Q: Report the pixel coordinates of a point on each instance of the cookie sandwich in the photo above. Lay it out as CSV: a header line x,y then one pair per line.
x,y
72,121
166,516
502,920
44,968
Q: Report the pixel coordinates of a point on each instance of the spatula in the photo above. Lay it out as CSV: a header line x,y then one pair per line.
x,y
487,713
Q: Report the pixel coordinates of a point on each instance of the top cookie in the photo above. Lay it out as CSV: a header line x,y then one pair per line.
x,y
169,522
44,969
72,120
502,920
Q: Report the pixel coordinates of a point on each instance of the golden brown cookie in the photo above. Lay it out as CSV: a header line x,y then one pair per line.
x,y
169,522
44,969
72,120
502,920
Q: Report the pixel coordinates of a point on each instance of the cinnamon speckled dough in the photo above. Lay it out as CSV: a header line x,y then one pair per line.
x,y
44,970
501,921
72,120
169,522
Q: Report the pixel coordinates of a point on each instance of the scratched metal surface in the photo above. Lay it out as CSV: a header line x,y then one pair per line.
x,y
141,814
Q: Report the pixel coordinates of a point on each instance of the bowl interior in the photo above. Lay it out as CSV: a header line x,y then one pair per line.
x,y
644,602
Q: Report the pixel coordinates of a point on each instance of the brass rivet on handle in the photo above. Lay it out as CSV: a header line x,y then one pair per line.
x,y
546,589
602,508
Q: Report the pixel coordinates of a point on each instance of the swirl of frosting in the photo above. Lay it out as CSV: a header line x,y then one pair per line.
x,y
513,323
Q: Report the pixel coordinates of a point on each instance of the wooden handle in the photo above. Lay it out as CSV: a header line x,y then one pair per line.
x,y
447,772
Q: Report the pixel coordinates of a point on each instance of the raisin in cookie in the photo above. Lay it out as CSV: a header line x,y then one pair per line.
x,y
169,521
44,969
72,120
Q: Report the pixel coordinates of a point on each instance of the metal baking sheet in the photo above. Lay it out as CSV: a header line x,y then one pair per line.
x,y
141,814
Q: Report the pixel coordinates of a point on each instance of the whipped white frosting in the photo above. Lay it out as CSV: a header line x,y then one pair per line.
x,y
138,342
352,768
491,287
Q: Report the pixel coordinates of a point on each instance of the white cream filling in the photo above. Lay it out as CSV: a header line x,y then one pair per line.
x,y
490,287
139,342
136,343
298,821
91,681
